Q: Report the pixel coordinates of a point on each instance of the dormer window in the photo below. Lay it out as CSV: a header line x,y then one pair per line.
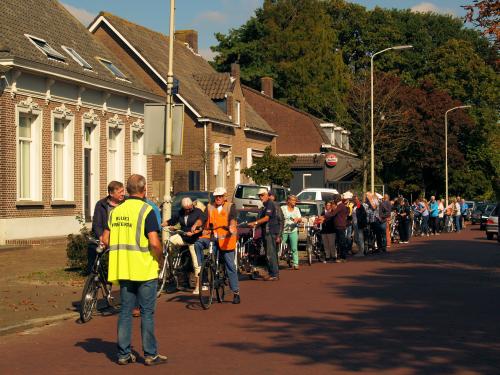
x,y
43,46
76,56
112,68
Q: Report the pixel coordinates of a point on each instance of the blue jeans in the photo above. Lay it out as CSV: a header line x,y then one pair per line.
x,y
271,254
457,223
425,224
226,256
379,228
359,238
142,293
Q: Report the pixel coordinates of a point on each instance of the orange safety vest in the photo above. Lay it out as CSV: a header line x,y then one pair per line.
x,y
226,240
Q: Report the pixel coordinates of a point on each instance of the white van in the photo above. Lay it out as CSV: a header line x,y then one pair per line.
x,y
317,194
245,195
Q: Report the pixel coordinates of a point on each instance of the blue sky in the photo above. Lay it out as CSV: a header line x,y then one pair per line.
x,y
211,16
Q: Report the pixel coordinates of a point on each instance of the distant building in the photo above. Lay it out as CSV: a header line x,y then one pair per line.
x,y
71,120
323,154
222,132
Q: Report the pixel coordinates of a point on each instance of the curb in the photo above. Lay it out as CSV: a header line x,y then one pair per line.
x,y
38,322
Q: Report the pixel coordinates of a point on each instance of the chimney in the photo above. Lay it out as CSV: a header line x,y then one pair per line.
x,y
235,71
188,36
266,85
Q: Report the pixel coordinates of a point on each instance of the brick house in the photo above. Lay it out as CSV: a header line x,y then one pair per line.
x,y
71,120
222,132
307,137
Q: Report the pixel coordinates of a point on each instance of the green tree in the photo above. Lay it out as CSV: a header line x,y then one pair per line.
x,y
271,169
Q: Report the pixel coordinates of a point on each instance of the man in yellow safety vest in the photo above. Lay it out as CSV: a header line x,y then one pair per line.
x,y
135,248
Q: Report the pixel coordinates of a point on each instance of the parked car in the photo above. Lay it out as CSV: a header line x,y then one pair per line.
x,y
309,210
491,227
201,196
317,194
485,215
478,212
246,195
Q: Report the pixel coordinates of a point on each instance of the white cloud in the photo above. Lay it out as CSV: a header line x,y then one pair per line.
x,y
427,7
84,16
207,54
211,16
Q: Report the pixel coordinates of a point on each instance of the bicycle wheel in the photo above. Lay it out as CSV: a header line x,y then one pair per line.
x,y
206,284
221,283
162,277
89,297
309,249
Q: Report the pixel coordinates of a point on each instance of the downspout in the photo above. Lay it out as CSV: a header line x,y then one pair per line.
x,y
205,159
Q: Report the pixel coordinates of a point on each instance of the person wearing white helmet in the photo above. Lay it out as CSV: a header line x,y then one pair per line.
x,y
222,215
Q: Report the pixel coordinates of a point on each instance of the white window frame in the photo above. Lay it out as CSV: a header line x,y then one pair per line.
x,y
116,172
121,75
222,164
56,55
237,112
68,193
237,170
78,58
138,160
28,108
90,119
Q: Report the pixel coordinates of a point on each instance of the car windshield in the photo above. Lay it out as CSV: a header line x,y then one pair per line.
x,y
247,192
247,216
308,209
488,210
307,196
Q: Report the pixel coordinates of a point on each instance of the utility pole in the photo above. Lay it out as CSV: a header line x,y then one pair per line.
x,y
167,199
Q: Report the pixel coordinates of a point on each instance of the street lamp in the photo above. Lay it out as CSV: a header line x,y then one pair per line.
x,y
371,108
167,205
446,145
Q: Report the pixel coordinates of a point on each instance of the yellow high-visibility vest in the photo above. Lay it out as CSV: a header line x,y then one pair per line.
x,y
129,255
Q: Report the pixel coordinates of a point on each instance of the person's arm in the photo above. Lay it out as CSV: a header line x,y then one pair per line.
x,y
155,244
232,220
99,220
104,238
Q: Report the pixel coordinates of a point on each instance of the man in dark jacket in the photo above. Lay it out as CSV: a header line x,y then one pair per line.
x,y
116,195
340,213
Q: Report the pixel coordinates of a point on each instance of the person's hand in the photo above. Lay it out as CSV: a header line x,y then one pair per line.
x,y
165,223
189,234
232,229
252,224
297,220
171,228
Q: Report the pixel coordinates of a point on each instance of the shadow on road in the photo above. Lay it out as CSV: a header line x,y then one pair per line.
x,y
97,345
428,310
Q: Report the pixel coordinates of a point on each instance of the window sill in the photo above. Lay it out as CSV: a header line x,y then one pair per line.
x,y
29,203
63,203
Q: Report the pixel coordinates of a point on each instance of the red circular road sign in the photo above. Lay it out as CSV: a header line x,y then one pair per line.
x,y
331,160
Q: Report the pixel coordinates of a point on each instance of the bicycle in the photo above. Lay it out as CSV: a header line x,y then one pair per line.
x,y
248,250
370,238
213,275
285,254
313,245
175,262
394,230
95,281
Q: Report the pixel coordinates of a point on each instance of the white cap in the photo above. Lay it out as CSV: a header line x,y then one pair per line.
x,y
262,191
219,191
347,195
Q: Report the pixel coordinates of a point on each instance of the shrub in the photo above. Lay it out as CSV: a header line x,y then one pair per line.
x,y
76,249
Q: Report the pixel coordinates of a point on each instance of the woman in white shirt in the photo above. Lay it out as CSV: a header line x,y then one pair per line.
x,y
290,233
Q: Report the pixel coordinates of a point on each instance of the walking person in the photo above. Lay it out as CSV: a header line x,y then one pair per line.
x,y
292,218
340,214
386,206
327,231
359,223
268,219
434,215
132,235
222,215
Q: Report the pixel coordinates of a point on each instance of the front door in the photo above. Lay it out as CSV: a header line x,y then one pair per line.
x,y
87,183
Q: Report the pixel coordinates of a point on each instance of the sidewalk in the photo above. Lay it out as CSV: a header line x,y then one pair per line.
x,y
35,288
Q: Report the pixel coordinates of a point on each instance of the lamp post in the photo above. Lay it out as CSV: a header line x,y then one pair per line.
x,y
372,164
446,145
167,204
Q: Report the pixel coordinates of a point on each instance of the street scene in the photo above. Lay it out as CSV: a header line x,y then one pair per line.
x,y
266,186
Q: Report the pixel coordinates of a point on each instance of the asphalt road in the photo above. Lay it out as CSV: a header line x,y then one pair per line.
x,y
429,307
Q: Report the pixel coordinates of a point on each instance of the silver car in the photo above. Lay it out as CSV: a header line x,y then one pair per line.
x,y
246,195
492,223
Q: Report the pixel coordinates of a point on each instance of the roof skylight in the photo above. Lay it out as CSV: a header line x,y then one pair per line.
x,y
43,46
76,56
112,68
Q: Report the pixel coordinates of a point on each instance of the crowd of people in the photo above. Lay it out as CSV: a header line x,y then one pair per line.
x,y
131,228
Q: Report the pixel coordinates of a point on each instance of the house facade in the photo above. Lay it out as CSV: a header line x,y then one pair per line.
x,y
322,150
71,120
223,134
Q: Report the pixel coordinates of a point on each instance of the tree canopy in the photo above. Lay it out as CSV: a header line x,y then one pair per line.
x,y
318,52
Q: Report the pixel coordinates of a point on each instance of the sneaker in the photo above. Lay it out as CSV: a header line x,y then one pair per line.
x,y
236,299
338,260
155,360
196,291
204,287
296,268
126,360
271,278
